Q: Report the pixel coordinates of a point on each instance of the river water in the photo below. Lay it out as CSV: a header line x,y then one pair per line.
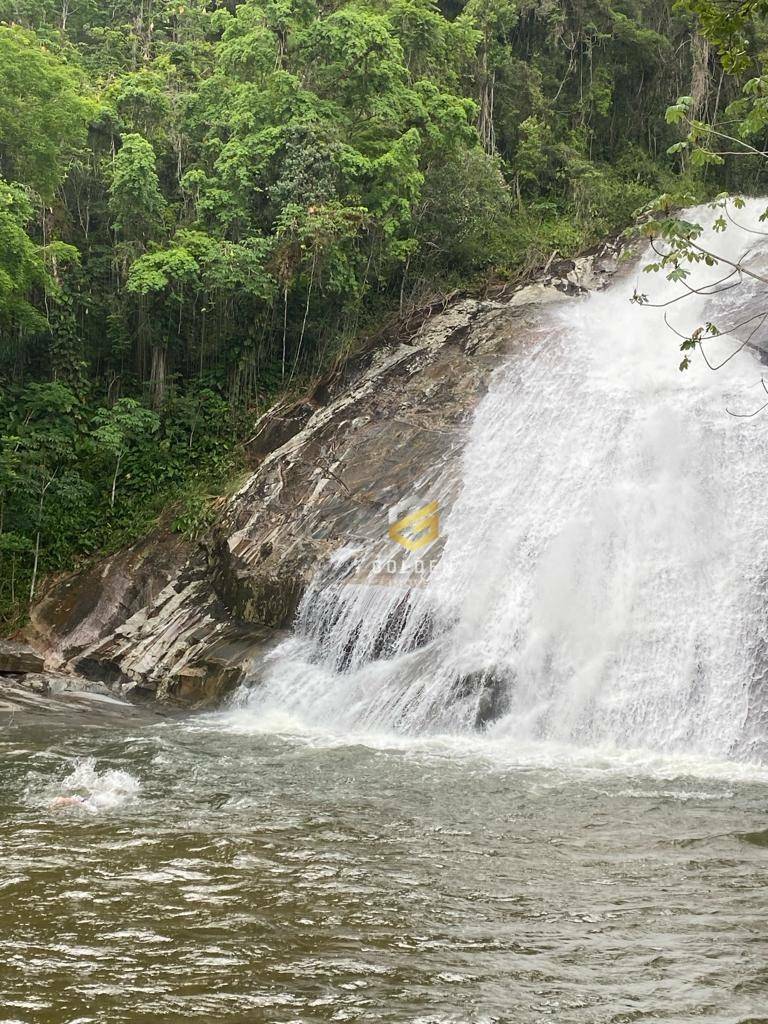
x,y
220,872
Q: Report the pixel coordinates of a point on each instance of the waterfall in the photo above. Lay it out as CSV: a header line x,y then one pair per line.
x,y
601,569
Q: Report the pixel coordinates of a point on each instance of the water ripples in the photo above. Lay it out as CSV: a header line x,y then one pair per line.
x,y
263,878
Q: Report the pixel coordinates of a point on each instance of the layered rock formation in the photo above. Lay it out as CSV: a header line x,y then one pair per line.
x,y
182,622
18,658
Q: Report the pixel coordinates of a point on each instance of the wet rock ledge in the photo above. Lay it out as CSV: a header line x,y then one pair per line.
x,y
30,695
184,623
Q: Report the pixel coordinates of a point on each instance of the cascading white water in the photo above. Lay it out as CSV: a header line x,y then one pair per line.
x,y
603,570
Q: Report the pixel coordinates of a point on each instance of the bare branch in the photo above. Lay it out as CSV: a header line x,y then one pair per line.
x,y
742,227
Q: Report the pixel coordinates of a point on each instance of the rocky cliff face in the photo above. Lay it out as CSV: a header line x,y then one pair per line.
x,y
185,622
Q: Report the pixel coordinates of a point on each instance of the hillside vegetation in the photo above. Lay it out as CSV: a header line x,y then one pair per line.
x,y
203,204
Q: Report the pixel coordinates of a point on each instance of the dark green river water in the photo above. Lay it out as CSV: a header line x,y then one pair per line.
x,y
218,875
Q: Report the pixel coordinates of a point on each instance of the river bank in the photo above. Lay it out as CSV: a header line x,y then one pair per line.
x,y
21,704
30,695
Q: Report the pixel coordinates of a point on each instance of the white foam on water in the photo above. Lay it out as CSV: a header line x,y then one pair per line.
x,y
99,791
481,750
602,582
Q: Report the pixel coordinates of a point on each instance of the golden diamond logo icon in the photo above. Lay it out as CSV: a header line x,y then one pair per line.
x,y
418,529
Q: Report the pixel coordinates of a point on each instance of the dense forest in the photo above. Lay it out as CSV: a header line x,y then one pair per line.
x,y
203,204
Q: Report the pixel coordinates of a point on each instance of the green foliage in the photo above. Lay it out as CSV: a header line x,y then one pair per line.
x,y
43,115
732,139
738,130
202,207
116,429
22,268
77,478
731,28
135,200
